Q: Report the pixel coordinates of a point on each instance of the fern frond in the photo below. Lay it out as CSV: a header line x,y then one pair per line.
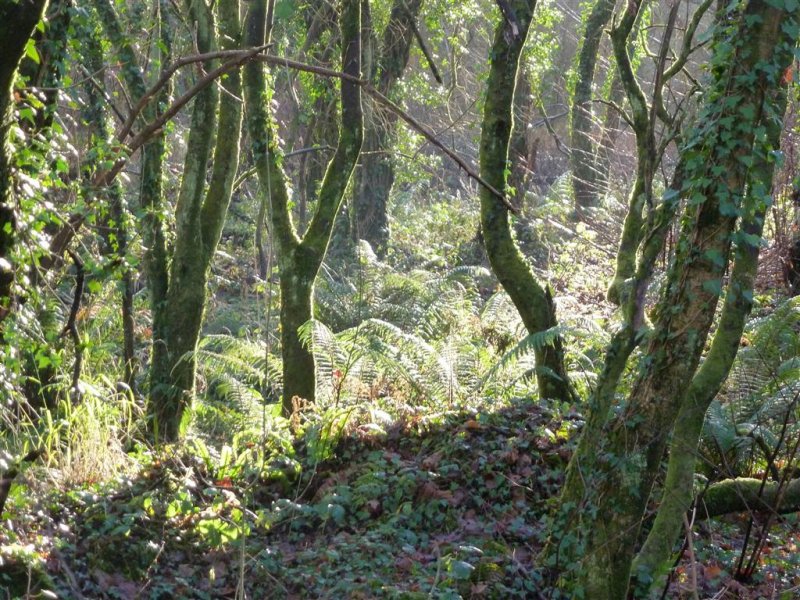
x,y
523,348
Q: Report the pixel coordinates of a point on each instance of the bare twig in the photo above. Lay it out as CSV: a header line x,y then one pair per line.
x,y
71,326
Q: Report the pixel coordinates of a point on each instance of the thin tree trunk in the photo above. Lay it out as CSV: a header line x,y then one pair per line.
x,y
533,302
115,229
150,182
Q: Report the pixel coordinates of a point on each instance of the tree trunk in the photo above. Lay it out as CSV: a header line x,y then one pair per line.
x,y
150,183
582,159
640,197
299,260
17,20
534,302
200,215
375,178
297,285
617,476
655,556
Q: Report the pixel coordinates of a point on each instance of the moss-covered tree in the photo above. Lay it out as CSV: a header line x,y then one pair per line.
x,y
610,480
299,258
655,556
199,216
533,301
177,280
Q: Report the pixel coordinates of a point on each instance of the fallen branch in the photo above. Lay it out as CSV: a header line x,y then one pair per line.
x,y
742,495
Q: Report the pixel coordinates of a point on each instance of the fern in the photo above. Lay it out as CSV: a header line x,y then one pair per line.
x,y
524,349
240,380
742,423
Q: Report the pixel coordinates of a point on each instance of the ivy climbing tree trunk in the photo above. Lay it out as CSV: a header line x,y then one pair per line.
x,y
17,20
607,502
299,259
533,301
151,199
654,559
115,227
375,178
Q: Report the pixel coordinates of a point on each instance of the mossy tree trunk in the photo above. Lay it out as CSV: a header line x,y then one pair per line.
x,y
375,178
582,159
654,559
299,259
643,121
533,301
608,500
199,217
17,20
178,282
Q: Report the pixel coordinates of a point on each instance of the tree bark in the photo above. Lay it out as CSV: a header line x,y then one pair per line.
x,y
616,477
746,495
17,20
299,259
375,178
150,182
533,301
654,557
199,217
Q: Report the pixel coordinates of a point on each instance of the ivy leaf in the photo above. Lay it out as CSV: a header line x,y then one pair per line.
x,y
31,52
460,569
713,286
715,256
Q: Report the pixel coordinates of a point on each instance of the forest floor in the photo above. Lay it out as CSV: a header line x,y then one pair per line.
x,y
448,505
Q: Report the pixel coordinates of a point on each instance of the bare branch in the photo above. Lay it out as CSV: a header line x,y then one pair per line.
x,y
426,52
170,71
391,106
686,48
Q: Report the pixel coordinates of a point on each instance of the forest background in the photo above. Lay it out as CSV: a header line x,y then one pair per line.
x,y
399,298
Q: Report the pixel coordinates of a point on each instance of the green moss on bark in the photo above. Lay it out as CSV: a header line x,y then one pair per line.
x,y
655,555
617,476
299,260
532,300
17,20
